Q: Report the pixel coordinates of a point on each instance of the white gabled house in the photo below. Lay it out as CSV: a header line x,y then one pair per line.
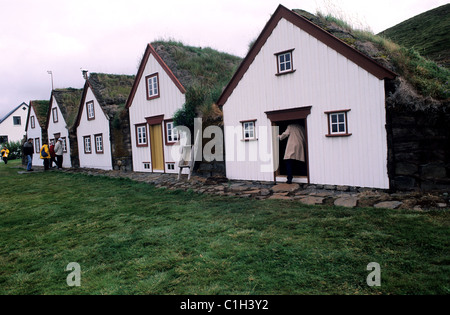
x,y
101,141
155,96
61,116
36,126
298,73
12,125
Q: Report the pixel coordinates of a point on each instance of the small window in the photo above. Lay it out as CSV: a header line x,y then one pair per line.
x,y
37,145
55,114
98,143
248,130
338,123
17,121
90,110
152,86
87,144
64,144
284,62
170,166
32,122
141,135
146,165
172,134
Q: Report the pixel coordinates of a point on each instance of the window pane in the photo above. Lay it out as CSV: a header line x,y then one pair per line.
x,y
288,57
333,119
341,118
288,65
281,58
341,127
334,128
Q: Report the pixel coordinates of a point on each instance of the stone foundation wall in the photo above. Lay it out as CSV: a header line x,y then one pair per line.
x,y
418,143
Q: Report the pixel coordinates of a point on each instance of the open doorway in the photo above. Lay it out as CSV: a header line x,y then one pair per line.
x,y
299,168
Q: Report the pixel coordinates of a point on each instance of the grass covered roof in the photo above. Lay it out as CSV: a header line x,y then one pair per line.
x,y
111,90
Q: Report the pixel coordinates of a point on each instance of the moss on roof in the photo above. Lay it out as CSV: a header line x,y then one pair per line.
x,y
204,72
426,77
197,66
111,90
41,110
68,100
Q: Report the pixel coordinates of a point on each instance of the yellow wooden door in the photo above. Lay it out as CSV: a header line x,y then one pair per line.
x,y
157,147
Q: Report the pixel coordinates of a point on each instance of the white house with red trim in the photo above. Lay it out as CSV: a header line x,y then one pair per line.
x,y
61,116
298,73
155,96
100,145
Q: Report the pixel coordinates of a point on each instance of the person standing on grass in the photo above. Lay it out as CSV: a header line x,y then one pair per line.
x,y
59,153
52,154
45,155
5,153
28,151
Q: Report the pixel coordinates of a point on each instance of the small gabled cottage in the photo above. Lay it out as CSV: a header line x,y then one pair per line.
x,y
155,96
61,117
297,73
102,124
174,83
36,126
12,125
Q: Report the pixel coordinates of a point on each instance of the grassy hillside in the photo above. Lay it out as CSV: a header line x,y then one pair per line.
x,y
428,33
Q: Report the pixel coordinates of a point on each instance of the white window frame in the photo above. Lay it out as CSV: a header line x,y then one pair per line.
x,y
248,130
173,135
283,63
87,144
152,86
55,114
90,110
98,143
338,123
37,144
141,135
64,144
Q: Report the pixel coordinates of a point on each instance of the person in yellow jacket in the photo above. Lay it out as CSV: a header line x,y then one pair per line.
x,y
45,155
5,153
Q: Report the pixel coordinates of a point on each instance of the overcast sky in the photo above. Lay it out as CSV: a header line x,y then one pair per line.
x,y
110,36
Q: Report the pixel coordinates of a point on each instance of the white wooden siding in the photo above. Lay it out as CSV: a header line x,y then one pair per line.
x,y
99,125
326,81
15,132
169,101
35,133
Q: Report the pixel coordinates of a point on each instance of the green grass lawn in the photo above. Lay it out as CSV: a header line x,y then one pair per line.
x,y
132,238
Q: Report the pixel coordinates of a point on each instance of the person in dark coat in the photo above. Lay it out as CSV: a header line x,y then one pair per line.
x,y
28,151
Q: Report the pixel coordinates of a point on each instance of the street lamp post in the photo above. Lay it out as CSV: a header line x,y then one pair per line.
x,y
51,74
